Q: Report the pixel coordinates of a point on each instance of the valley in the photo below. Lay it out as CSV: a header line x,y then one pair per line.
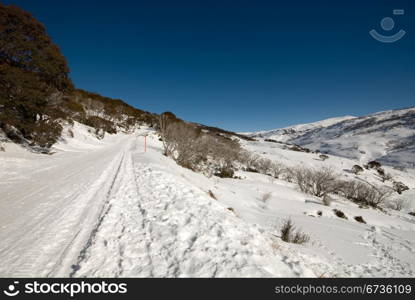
x,y
104,207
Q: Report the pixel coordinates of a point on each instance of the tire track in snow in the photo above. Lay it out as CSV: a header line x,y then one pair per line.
x,y
121,230
47,248
104,211
158,227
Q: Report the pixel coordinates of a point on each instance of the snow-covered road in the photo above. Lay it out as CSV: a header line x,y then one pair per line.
x,y
107,212
46,217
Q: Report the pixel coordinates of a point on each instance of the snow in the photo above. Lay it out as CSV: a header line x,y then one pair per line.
x,y
155,226
387,136
104,207
287,133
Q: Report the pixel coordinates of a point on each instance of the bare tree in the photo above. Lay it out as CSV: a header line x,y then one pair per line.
x,y
249,159
224,152
398,204
365,193
187,142
196,149
289,174
277,169
167,132
317,182
378,196
263,165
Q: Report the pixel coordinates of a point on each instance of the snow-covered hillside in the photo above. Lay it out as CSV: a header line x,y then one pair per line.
x,y
107,208
387,136
288,133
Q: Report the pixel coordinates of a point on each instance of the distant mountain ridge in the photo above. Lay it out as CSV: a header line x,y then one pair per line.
x,y
387,136
288,133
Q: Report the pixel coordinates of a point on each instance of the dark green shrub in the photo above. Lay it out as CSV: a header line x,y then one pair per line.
x,y
360,219
225,173
357,169
399,187
373,165
339,213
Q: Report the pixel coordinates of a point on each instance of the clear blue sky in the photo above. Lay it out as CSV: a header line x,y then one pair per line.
x,y
240,65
